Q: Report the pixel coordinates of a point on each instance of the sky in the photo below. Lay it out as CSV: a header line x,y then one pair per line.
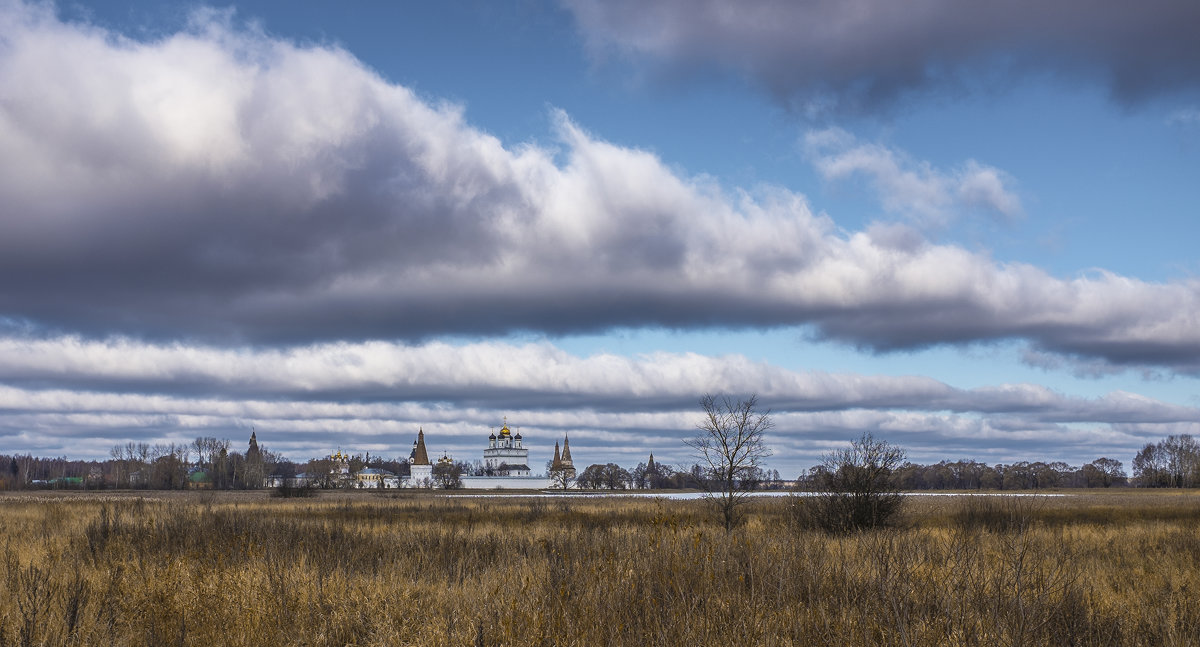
x,y
964,227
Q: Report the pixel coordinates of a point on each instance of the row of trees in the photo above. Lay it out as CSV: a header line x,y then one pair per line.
x,y
205,462
17,471
659,476
1024,475
1171,462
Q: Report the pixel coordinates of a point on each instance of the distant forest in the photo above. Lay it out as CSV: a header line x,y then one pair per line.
x,y
211,463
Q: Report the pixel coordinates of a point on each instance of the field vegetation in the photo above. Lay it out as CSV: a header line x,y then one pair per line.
x,y
370,569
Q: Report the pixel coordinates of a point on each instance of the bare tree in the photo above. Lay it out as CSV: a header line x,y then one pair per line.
x,y
561,479
1171,462
730,447
615,477
1103,472
1183,459
591,478
448,475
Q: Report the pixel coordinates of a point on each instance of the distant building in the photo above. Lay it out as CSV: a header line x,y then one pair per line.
x,y
339,464
373,477
199,479
505,456
562,462
420,469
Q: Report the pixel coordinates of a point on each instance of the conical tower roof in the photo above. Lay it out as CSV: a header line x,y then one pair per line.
x,y
566,454
556,464
420,456
252,451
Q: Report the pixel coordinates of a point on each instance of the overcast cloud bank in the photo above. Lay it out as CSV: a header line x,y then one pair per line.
x,y
496,374
224,185
88,395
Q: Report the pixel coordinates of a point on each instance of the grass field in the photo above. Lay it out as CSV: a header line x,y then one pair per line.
x,y
1118,568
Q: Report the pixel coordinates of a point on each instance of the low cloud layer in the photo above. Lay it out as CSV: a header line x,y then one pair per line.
x,y
495,374
67,395
226,186
860,54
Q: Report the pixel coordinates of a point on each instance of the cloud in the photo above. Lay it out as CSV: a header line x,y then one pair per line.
x,y
88,424
1184,117
225,186
80,397
494,374
911,188
860,54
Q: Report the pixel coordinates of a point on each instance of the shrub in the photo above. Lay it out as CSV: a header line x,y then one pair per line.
x,y
853,489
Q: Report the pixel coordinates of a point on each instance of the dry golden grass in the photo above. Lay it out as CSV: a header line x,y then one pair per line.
x,y
244,569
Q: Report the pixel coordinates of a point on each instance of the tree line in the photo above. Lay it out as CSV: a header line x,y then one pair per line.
x,y
209,462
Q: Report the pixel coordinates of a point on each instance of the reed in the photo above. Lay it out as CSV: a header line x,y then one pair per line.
x,y
249,569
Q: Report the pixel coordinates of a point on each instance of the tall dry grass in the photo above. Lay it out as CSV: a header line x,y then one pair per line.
x,y
368,570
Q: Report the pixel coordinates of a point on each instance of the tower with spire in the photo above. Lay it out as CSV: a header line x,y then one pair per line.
x,y
420,469
419,455
565,463
253,452
562,468
254,463
653,474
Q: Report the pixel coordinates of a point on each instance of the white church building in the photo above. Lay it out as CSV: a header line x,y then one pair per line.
x,y
505,456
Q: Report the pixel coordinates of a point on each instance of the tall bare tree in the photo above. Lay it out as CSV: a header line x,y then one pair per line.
x,y
731,447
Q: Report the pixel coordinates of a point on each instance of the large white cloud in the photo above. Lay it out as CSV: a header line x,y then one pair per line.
x,y
225,185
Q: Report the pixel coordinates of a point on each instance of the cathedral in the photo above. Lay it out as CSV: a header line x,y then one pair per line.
x,y
504,455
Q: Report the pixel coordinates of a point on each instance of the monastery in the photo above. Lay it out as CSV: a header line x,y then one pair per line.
x,y
505,463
